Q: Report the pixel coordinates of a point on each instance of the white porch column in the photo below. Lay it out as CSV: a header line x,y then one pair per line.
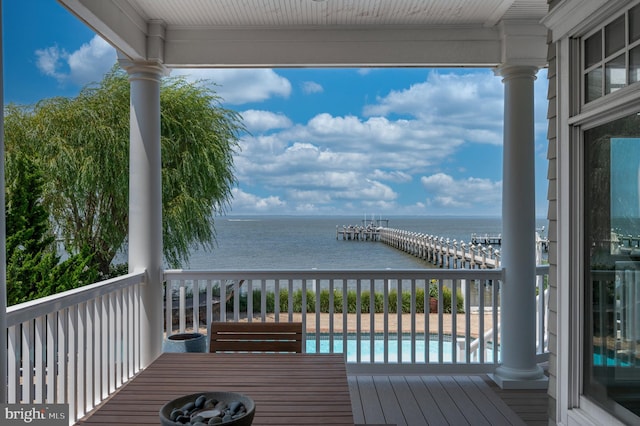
x,y
518,297
145,200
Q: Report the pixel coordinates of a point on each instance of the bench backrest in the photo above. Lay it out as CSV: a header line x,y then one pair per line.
x,y
256,337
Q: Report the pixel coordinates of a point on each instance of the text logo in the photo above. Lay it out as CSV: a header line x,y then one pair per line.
x,y
36,414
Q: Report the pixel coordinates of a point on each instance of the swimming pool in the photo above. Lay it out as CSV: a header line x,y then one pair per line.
x,y
600,360
379,348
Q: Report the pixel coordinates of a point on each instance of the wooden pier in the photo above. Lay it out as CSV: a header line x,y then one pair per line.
x,y
486,239
479,253
369,230
442,252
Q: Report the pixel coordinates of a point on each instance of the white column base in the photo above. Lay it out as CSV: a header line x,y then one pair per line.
x,y
508,378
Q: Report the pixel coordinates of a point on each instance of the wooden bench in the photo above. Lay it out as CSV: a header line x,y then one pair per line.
x,y
256,337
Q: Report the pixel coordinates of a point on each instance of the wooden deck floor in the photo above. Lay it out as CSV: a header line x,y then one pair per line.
x,y
443,400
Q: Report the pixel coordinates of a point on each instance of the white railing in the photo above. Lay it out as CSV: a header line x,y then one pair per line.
x,y
75,347
79,346
334,309
542,316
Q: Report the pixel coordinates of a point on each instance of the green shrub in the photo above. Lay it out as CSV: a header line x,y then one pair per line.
x,y
446,297
365,301
337,301
297,301
420,301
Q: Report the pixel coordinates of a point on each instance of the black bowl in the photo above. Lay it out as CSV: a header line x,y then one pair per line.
x,y
228,397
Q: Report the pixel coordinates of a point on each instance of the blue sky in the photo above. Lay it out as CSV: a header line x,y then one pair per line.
x,y
322,141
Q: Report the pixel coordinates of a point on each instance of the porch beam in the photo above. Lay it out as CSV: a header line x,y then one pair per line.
x,y
332,47
518,299
145,199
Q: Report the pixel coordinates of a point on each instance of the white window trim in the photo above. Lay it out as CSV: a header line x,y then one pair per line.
x,y
582,410
572,407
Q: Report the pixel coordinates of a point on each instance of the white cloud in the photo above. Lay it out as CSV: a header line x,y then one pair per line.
x,y
391,176
467,105
86,65
261,121
48,61
309,87
91,61
342,158
447,192
240,86
246,202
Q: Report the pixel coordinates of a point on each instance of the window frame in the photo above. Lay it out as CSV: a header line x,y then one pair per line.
x,y
605,59
584,116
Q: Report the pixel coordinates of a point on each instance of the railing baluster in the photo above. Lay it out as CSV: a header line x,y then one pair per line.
x,y
52,365
112,343
168,306
27,363
72,372
345,311
182,303
303,308
13,359
81,367
118,335
454,321
399,319
427,311
467,318
385,325
440,322
290,303
331,310
196,305
263,300
40,374
483,344
236,300
372,320
209,299
413,320
89,355
276,298
250,300
61,396
105,346
358,320
99,373
317,284
497,335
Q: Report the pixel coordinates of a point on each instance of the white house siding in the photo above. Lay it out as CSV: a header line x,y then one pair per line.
x,y
552,232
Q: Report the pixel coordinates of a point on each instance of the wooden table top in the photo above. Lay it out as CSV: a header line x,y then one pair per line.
x,y
288,389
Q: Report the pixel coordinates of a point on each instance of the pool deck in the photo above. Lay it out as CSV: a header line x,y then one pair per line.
x,y
405,320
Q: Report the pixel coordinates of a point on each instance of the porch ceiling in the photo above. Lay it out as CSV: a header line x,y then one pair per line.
x,y
259,33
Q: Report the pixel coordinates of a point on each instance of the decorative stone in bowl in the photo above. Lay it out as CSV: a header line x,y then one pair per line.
x,y
209,408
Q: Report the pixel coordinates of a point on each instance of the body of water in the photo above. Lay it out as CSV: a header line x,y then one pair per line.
x,y
295,242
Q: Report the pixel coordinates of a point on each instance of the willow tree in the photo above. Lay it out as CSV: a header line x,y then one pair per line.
x,y
81,145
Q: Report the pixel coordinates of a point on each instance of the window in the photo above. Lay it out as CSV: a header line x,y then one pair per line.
x,y
611,56
612,266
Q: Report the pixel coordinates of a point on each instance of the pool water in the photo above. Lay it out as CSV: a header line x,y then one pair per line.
x,y
599,360
379,349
